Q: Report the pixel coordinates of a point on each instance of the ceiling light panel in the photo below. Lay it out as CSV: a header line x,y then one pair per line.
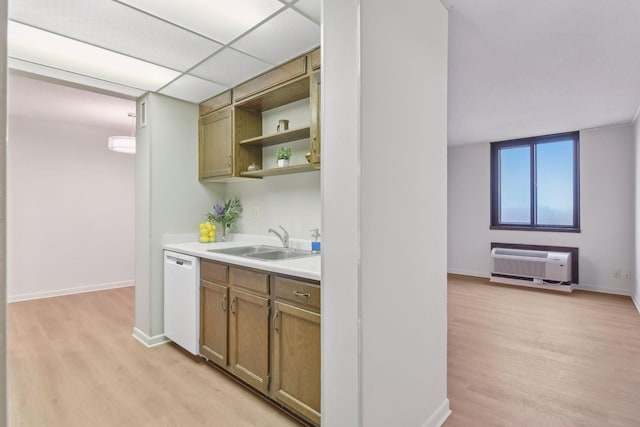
x,y
117,27
230,67
192,89
220,20
44,48
311,8
41,70
281,38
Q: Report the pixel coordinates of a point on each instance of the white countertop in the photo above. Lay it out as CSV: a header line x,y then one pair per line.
x,y
306,267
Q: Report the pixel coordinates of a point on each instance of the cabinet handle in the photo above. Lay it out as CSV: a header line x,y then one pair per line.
x,y
233,302
275,316
223,303
314,144
229,162
302,294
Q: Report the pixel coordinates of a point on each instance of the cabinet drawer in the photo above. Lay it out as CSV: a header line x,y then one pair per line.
x,y
256,281
214,271
215,103
283,73
298,291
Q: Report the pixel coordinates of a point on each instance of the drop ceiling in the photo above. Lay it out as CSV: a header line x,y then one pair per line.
x,y
187,49
516,68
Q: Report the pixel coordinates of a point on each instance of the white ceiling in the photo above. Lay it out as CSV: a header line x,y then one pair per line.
x,y
188,49
516,68
523,68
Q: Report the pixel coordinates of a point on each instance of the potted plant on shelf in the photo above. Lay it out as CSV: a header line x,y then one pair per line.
x,y
284,154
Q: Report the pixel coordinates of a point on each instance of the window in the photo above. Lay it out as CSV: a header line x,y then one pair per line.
x,y
535,183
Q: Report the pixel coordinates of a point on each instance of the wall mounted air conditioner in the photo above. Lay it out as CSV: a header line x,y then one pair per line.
x,y
539,269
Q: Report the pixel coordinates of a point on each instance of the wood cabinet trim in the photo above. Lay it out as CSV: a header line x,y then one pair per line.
x,y
280,74
215,103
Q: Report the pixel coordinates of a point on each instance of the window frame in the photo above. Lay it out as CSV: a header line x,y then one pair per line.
x,y
532,142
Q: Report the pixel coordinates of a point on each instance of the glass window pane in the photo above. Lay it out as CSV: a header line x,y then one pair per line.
x,y
515,185
554,170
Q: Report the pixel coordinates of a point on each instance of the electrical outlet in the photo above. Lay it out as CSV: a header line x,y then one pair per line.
x,y
616,273
627,274
255,212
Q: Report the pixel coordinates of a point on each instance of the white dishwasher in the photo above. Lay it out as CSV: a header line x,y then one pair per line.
x,y
182,300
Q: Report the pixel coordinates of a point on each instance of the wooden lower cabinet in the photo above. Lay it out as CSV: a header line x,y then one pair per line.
x,y
249,338
214,322
264,328
296,359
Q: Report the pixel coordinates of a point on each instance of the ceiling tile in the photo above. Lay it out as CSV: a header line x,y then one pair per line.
x,y
117,27
221,20
44,48
192,89
311,8
283,37
230,67
16,64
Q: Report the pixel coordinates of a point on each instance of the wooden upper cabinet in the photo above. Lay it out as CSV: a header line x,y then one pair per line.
x,y
281,74
314,58
215,103
216,144
314,138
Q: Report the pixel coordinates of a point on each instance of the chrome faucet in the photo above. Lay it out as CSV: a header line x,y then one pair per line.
x,y
284,238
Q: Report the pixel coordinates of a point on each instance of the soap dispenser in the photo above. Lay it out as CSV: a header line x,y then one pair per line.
x,y
315,244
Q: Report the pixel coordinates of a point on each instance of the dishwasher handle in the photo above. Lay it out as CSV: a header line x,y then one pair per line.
x,y
178,261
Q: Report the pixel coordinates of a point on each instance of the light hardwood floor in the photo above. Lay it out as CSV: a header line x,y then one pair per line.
x,y
517,358
530,358
73,362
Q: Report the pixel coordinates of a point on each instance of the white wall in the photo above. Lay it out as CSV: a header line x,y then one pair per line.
x,y
636,157
169,199
292,201
71,210
606,211
404,213
341,405
3,205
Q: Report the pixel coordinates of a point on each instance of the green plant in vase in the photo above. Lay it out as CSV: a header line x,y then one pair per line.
x,y
283,155
226,215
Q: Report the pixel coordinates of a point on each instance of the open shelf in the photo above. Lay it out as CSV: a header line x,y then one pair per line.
x,y
278,138
278,171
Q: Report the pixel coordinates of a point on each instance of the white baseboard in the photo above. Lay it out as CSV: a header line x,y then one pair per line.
x,y
149,341
69,291
439,416
471,273
603,289
636,300
581,286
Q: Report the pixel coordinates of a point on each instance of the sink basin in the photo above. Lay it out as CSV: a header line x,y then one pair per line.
x,y
245,250
280,254
266,253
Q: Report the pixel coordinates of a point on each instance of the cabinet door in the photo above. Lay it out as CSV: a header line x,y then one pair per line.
x,y
314,98
213,322
249,338
216,144
296,359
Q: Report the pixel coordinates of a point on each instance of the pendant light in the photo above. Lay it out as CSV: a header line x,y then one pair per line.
x,y
124,144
